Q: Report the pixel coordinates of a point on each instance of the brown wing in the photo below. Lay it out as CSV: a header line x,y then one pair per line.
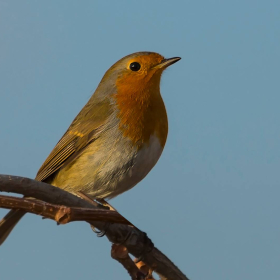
x,y
84,129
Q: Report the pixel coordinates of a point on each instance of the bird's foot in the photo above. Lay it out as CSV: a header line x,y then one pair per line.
x,y
100,233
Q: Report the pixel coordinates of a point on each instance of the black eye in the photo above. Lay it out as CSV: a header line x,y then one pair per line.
x,y
134,66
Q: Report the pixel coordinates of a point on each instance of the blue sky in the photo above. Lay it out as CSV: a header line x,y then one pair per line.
x,y
211,204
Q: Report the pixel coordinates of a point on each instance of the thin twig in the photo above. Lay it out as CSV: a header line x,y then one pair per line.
x,y
145,270
61,214
120,254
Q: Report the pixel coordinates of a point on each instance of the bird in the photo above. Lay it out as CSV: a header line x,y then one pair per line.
x,y
115,140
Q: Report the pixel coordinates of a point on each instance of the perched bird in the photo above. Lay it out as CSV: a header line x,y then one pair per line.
x,y
115,140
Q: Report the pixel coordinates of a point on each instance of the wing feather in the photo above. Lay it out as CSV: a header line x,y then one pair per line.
x,y
84,129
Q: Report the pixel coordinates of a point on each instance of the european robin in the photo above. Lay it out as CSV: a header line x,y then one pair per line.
x,y
115,140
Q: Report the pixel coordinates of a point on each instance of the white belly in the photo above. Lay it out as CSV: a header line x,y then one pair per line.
x,y
125,174
145,160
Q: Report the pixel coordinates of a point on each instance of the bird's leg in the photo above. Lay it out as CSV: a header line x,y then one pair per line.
x,y
103,202
90,200
107,204
99,205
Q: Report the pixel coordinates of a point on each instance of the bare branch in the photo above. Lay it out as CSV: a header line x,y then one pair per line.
x,y
61,214
136,241
120,254
145,269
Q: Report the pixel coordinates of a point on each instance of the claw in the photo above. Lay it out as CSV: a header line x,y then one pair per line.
x,y
100,233
95,230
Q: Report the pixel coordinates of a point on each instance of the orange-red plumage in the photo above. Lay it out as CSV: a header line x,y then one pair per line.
x,y
141,109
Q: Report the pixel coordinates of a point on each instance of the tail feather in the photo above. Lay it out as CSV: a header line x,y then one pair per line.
x,y
8,223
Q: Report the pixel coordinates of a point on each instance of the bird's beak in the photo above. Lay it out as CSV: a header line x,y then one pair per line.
x,y
167,62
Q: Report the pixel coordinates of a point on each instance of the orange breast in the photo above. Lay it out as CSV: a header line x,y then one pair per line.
x,y
141,110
